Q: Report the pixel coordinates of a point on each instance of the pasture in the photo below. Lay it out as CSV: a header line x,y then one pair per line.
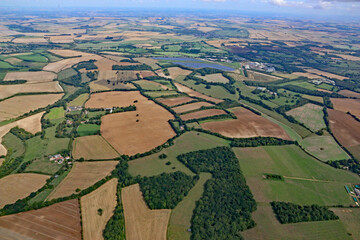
x,y
310,115
17,106
306,180
82,176
324,148
191,106
135,131
190,141
347,105
18,186
350,218
151,85
202,114
247,124
140,221
103,198
93,147
55,113
58,221
88,129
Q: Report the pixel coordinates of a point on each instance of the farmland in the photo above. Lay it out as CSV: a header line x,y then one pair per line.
x,y
140,221
88,129
93,147
347,105
217,77
59,221
10,90
191,106
82,176
310,115
247,124
193,93
174,101
30,77
103,198
202,114
17,186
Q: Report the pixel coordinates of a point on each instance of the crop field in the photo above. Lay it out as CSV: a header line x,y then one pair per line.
x,y
30,40
324,148
18,186
162,94
19,105
306,180
10,90
79,101
180,219
247,124
345,128
314,98
348,93
310,115
68,63
150,85
217,78
118,75
191,106
68,53
88,129
105,64
326,74
93,147
174,100
102,198
31,77
191,141
33,58
347,105
202,114
140,221
193,93
350,218
58,221
66,73
306,74
176,71
82,176
150,121
268,227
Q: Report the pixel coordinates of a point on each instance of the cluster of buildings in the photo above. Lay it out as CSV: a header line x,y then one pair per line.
x,y
354,194
266,67
74,108
58,158
264,89
323,80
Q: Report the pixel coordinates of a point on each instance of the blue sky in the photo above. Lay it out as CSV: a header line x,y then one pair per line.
x,y
329,8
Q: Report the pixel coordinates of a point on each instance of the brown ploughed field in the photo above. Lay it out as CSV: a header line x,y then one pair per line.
x,y
59,221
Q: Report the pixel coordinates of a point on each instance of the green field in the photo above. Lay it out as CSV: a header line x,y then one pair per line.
x,y
268,228
302,84
324,148
181,215
79,101
88,129
311,115
351,220
33,58
5,65
14,145
161,93
190,141
55,113
67,73
307,181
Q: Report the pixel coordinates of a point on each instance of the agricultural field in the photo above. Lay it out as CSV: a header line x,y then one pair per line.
x,y
88,129
217,78
150,121
347,105
140,221
247,124
82,176
310,115
150,85
261,77
350,218
31,77
202,114
348,93
191,141
11,90
18,186
191,106
174,101
17,106
56,67
93,147
55,113
193,93
79,101
93,221
305,181
58,221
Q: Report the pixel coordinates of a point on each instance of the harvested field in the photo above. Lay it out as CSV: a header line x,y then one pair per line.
x,y
68,53
348,93
69,62
348,57
31,77
310,115
102,198
58,221
148,61
174,101
217,78
345,128
202,114
191,106
119,75
11,90
31,124
136,131
176,71
140,221
93,147
347,105
98,87
17,106
29,40
326,74
13,60
151,85
18,186
247,125
61,39
82,176
193,93
105,64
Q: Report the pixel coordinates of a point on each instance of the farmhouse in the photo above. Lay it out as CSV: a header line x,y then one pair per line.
x,y
58,158
323,80
74,108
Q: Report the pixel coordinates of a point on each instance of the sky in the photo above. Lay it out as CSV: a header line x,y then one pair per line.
x,y
309,8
